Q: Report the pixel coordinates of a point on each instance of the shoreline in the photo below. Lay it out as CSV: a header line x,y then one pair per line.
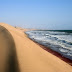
x,y
57,54
54,53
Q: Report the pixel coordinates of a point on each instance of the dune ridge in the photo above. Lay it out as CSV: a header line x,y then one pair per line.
x,y
8,60
31,57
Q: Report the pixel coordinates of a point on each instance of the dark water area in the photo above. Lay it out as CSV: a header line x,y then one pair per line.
x,y
58,40
68,31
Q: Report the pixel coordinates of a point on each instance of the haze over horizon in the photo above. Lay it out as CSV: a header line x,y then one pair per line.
x,y
40,14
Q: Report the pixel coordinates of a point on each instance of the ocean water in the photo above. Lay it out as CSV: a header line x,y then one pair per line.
x,y
58,40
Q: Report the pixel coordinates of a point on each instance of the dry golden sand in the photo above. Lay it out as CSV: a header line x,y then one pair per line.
x,y
31,57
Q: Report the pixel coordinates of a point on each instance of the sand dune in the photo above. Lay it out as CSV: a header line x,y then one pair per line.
x,y
27,56
8,60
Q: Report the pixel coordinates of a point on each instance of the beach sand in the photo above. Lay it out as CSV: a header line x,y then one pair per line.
x,y
56,54
26,55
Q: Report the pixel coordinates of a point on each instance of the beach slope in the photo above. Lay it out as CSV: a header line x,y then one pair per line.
x,y
28,56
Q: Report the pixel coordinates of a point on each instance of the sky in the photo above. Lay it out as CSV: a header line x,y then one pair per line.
x,y
40,14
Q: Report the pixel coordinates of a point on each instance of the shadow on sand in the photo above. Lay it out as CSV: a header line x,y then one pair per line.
x,y
12,61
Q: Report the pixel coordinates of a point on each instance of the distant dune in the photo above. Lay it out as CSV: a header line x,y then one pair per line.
x,y
20,54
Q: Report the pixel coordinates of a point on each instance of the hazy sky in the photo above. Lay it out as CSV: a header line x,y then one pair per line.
x,y
45,14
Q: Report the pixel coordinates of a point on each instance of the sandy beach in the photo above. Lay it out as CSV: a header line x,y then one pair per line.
x,y
20,54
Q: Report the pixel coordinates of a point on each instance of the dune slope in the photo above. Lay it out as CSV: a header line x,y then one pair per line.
x,y
8,58
31,57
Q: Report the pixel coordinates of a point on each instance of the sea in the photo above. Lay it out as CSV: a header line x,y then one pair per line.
x,y
57,40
